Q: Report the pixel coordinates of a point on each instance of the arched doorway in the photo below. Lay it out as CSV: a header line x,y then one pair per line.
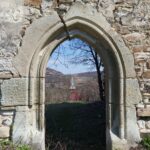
x,y
75,101
42,38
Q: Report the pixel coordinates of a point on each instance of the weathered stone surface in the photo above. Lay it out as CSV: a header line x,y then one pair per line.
x,y
135,37
118,1
7,121
4,132
146,74
0,120
23,28
131,125
145,131
138,48
147,49
147,106
147,124
140,105
133,94
14,92
39,27
7,113
65,1
148,64
63,7
143,112
122,29
5,75
35,3
141,124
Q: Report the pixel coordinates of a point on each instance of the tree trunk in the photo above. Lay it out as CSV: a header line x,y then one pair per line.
x,y
99,78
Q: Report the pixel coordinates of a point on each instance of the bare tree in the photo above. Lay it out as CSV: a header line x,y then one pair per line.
x,y
85,54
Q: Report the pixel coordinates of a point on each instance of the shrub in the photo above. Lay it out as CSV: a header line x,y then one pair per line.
x,y
146,142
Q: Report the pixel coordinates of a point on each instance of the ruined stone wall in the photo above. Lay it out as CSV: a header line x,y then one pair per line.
x,y
130,18
132,21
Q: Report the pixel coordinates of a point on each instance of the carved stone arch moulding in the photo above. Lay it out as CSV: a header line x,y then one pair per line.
x,y
45,34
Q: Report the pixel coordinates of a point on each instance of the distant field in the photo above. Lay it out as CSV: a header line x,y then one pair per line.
x,y
75,126
57,86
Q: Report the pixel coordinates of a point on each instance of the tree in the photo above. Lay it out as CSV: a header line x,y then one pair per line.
x,y
85,54
82,53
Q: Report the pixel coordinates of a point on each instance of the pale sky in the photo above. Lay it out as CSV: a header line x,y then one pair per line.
x,y
60,62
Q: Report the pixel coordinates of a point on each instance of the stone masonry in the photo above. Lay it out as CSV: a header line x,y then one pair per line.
x,y
130,19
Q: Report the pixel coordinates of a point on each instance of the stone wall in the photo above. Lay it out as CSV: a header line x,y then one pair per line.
x,y
132,21
6,123
130,18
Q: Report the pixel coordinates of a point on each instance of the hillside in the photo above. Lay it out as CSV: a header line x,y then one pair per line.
x,y
58,85
50,72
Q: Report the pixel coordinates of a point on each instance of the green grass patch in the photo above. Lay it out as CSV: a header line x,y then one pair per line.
x,y
8,145
146,142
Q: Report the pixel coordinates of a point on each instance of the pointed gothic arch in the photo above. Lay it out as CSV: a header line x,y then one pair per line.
x,y
44,35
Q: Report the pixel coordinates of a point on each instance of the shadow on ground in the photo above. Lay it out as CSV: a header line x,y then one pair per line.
x,y
75,126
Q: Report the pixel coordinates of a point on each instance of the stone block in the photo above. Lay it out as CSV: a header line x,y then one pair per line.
x,y
132,126
146,74
0,120
66,1
140,105
7,113
86,1
138,48
4,132
129,65
133,94
35,3
24,123
143,112
147,49
147,106
148,64
122,29
147,125
134,37
146,95
7,121
144,133
5,75
118,1
14,92
141,124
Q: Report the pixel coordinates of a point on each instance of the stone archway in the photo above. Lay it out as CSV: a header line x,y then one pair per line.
x,y
121,95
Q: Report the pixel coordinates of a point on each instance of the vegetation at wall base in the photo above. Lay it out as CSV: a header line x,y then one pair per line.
x,y
8,145
146,142
75,126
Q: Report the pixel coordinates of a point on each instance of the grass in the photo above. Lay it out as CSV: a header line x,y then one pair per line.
x,y
146,142
8,145
75,126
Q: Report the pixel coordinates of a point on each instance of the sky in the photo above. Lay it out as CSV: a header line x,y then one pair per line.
x,y
59,60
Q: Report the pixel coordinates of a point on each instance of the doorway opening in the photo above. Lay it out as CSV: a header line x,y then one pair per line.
x,y
75,107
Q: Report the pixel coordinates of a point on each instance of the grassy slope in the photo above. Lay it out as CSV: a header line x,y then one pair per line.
x,y
77,126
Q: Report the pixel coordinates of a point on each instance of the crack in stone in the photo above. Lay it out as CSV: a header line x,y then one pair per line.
x,y
63,21
65,26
